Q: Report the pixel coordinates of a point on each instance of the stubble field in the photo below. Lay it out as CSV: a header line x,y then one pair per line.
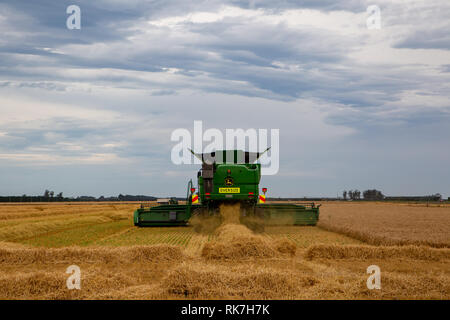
x,y
410,243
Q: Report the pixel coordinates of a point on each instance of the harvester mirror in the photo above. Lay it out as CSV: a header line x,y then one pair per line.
x,y
209,158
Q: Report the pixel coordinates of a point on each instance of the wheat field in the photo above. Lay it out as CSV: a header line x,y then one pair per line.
x,y
119,261
382,223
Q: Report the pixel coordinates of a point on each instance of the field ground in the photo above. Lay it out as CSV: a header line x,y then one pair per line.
x,y
410,243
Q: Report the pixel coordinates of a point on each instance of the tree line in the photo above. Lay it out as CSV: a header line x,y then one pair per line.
x,y
377,195
369,195
49,196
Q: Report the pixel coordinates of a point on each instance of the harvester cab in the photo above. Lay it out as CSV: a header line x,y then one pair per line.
x,y
227,176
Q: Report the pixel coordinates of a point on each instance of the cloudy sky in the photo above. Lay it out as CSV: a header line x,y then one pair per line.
x,y
91,111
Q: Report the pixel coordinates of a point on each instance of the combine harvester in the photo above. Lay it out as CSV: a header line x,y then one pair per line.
x,y
229,176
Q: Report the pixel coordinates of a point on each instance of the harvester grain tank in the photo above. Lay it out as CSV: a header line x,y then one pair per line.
x,y
227,176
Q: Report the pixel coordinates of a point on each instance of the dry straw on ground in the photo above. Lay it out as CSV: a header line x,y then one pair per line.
x,y
200,280
372,252
238,242
153,253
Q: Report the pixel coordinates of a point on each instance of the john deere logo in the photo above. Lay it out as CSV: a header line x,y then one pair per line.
x,y
229,181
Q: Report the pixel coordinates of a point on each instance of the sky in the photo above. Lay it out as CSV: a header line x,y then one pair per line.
x,y
90,111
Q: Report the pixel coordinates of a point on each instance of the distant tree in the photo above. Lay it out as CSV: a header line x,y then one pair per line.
x,y
344,195
373,195
52,193
59,196
350,194
354,194
46,194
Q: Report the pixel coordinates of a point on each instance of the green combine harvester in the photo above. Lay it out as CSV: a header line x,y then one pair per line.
x,y
227,176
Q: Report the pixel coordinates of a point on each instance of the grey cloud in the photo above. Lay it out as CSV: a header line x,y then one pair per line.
x,y
246,51
41,85
427,39
421,25
325,5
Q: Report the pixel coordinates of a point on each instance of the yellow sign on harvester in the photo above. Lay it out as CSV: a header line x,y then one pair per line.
x,y
262,198
229,190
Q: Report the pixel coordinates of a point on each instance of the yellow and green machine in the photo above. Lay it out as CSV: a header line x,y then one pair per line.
x,y
227,176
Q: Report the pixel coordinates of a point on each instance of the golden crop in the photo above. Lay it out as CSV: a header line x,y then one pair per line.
x,y
117,260
388,223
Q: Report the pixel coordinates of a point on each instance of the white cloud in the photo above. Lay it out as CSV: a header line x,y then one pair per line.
x,y
46,159
26,111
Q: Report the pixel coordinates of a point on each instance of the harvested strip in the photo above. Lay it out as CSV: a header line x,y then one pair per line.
x,y
52,285
24,210
115,234
194,246
29,230
372,252
219,282
155,253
